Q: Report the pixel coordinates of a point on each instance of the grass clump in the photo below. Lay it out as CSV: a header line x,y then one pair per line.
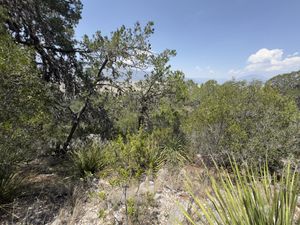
x,y
89,160
175,154
249,197
10,184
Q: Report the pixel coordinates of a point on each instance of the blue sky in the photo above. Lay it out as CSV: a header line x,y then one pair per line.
x,y
214,39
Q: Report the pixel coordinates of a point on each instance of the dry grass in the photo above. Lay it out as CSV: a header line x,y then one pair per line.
x,y
47,188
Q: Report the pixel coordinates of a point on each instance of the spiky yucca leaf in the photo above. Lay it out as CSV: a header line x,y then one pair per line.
x,y
11,184
88,160
249,197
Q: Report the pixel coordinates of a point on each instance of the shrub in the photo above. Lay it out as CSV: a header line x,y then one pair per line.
x,y
246,121
173,146
175,153
10,184
24,113
136,155
249,197
89,159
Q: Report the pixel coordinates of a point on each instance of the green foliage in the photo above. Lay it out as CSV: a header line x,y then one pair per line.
x,y
89,159
11,184
172,145
102,195
125,50
48,27
249,197
125,111
101,214
287,84
249,121
131,210
161,86
136,155
24,112
175,154
109,65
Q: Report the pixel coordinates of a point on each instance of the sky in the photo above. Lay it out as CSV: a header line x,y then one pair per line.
x,y
214,39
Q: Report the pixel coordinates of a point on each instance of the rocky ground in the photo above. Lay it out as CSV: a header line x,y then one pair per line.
x,y
157,201
53,196
48,188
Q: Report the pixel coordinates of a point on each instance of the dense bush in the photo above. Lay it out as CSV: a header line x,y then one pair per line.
x,y
173,146
10,183
249,121
287,84
136,155
89,159
24,114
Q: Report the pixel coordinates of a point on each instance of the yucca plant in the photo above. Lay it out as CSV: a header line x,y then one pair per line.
x,y
175,153
89,159
246,196
10,184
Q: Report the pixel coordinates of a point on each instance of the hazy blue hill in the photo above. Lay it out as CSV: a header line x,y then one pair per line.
x,y
253,77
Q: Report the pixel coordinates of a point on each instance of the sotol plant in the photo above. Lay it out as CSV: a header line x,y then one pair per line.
x,y
89,160
11,184
249,197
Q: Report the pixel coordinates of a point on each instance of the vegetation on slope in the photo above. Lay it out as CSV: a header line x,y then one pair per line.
x,y
76,102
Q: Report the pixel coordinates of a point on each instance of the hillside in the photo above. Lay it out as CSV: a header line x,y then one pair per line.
x,y
106,128
287,84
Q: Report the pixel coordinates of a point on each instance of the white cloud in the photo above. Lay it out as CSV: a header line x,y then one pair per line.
x,y
265,55
268,62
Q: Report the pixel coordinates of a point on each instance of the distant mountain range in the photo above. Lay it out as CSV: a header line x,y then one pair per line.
x,y
252,77
138,75
248,78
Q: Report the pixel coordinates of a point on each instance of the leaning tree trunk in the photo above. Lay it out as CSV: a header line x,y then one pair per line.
x,y
75,124
77,119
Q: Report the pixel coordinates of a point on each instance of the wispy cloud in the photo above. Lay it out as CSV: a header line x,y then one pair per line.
x,y
202,74
206,71
268,62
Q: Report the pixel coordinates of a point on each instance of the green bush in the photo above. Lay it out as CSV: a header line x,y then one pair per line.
x,y
247,121
173,146
136,155
249,197
24,114
10,184
89,159
175,153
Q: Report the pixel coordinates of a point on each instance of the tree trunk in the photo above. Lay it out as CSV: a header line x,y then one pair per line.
x,y
74,127
76,121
